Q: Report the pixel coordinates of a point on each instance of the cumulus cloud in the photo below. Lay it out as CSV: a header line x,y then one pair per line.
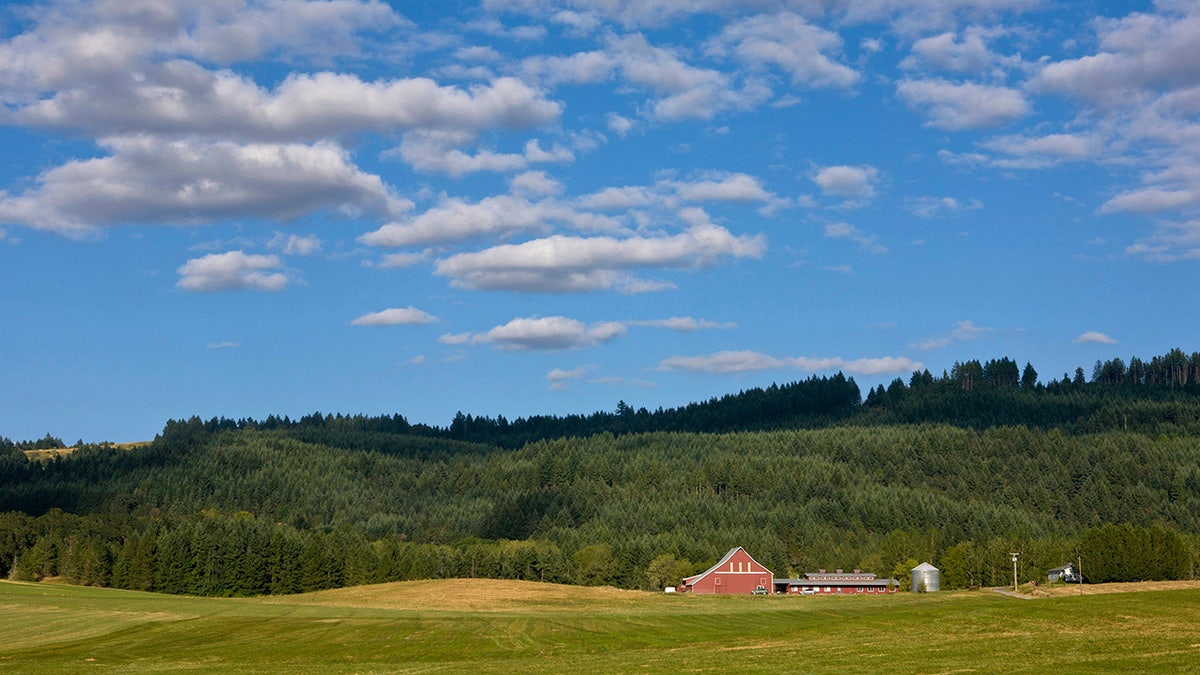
x,y
965,54
1152,200
680,91
619,124
552,333
1144,52
749,361
295,244
957,107
439,152
76,43
1095,337
1035,152
685,324
789,42
848,232
188,143
535,184
150,181
232,271
847,182
184,98
558,377
905,16
559,264
406,316
736,187
1169,242
964,331
619,198
456,220
667,194
932,207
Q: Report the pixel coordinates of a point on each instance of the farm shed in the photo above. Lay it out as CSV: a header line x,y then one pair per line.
x,y
1065,573
820,582
736,573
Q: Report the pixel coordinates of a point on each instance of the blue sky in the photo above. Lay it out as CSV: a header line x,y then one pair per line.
x,y
254,207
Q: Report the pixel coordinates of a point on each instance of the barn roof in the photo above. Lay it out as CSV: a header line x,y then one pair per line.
x,y
720,563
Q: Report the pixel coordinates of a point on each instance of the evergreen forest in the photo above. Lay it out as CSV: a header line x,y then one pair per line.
x,y
957,470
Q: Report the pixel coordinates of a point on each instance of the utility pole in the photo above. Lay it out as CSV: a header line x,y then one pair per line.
x,y
1014,559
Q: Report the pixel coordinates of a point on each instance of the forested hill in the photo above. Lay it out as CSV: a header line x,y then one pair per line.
x,y
956,469
1154,396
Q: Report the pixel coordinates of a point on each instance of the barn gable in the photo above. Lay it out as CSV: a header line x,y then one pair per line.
x,y
737,572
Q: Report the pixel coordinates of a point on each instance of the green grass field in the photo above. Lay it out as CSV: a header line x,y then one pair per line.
x,y
481,626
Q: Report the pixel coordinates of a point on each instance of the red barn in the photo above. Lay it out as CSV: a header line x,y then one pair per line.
x,y
736,573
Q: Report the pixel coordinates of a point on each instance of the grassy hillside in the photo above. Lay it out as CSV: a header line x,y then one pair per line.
x,y
495,626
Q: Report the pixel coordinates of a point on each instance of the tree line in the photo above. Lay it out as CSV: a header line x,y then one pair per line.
x,y
607,507
932,469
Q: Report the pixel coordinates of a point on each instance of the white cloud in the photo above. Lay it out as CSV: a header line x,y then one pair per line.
x,y
849,232
682,323
1094,337
956,107
223,345
294,244
560,264
150,181
947,52
558,377
736,187
750,361
905,16
456,220
75,43
847,182
436,152
789,42
932,207
1142,53
406,316
404,259
535,184
1169,242
680,91
178,98
619,198
1151,200
552,333
619,125
1042,151
964,331
232,271
433,151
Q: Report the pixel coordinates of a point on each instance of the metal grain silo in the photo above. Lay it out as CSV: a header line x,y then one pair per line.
x,y
926,579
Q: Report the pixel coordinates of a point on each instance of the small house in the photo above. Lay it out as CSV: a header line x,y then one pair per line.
x,y
1066,573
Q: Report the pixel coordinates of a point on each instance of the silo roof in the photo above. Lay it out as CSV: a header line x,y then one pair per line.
x,y
924,567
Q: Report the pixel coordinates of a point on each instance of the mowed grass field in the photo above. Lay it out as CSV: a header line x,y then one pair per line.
x,y
482,626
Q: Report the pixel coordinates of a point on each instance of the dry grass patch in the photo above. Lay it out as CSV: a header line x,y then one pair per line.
x,y
475,595
1103,589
